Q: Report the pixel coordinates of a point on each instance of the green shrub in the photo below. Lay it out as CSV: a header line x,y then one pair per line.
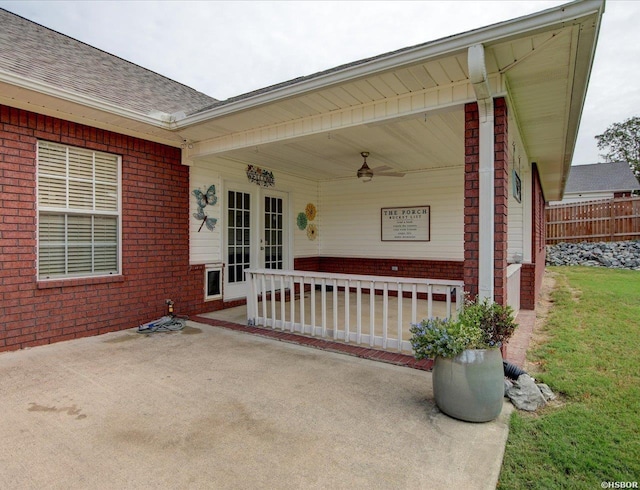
x,y
480,325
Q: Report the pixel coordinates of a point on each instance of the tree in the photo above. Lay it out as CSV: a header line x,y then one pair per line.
x,y
622,143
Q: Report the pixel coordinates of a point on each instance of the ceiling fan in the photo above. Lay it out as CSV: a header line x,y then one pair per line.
x,y
366,174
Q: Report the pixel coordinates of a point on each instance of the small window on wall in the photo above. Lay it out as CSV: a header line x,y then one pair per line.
x,y
213,283
78,212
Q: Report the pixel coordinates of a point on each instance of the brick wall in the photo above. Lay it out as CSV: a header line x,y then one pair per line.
x,y
307,264
155,239
428,269
472,203
531,275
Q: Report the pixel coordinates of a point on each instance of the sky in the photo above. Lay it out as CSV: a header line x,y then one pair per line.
x,y
227,48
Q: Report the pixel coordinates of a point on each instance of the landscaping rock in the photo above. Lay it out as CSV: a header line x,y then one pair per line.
x,y
525,394
546,392
507,386
615,255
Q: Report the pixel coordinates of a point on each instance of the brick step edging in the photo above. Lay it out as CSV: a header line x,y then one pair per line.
x,y
322,344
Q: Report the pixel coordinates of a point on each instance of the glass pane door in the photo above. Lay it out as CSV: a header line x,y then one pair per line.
x,y
273,241
238,235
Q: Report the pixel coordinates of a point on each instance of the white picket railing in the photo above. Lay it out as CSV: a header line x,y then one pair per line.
x,y
336,307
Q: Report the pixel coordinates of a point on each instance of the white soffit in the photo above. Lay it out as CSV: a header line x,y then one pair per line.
x,y
541,62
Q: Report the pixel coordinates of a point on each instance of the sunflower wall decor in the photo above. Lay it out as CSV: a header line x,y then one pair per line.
x,y
310,211
303,221
312,232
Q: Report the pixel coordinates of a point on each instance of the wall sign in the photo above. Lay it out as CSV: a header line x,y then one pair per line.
x,y
517,187
411,224
260,176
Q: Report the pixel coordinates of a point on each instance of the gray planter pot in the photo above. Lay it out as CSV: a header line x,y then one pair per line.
x,y
470,386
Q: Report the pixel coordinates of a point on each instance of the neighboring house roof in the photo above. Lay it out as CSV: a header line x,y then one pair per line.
x,y
71,65
599,177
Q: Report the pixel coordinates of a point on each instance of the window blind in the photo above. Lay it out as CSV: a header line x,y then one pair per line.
x,y
78,211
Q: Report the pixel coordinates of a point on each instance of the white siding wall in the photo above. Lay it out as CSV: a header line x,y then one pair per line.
x,y
349,212
205,246
519,216
519,213
303,192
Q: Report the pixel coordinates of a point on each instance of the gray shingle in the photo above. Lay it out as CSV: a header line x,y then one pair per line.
x,y
77,67
615,176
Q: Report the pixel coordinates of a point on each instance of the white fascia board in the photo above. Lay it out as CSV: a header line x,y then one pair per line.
x,y
159,120
446,46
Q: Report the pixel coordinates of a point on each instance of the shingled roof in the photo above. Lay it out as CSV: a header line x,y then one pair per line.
x,y
74,66
613,177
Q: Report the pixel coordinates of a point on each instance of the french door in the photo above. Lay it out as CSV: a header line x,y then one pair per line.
x,y
256,235
272,241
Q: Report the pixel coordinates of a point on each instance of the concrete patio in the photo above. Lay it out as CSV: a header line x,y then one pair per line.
x,y
214,408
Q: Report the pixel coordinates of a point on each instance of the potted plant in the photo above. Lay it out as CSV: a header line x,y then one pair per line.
x,y
468,374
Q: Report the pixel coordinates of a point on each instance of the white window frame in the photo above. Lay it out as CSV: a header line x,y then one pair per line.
x,y
214,268
70,206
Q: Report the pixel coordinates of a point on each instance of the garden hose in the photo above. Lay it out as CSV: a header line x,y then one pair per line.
x,y
169,323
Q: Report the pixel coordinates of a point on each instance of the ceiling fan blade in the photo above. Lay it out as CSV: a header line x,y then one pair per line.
x,y
389,174
384,172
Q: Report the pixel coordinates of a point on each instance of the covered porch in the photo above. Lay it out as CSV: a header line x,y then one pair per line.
x,y
464,127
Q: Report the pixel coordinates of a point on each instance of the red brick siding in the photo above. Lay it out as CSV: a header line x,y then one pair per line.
x,y
531,275
155,239
428,269
307,264
622,194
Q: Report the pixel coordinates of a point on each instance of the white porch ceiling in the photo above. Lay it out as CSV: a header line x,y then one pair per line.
x,y
405,145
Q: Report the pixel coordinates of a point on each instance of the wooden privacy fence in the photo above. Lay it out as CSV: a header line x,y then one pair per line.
x,y
607,220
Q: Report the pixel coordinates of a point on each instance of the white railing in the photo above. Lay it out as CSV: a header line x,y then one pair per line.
x,y
336,306
513,287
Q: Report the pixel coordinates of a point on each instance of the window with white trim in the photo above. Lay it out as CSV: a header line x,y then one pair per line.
x,y
78,212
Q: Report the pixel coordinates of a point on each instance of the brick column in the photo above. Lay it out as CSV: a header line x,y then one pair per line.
x,y
471,199
501,199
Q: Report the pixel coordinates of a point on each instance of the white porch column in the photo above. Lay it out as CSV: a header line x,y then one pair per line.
x,y
478,77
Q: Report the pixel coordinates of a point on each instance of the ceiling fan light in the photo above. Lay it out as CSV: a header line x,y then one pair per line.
x,y
365,173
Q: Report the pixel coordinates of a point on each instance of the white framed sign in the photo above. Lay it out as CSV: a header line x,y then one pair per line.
x,y
407,224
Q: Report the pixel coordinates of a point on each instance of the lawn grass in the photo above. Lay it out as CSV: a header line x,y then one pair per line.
x,y
591,357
